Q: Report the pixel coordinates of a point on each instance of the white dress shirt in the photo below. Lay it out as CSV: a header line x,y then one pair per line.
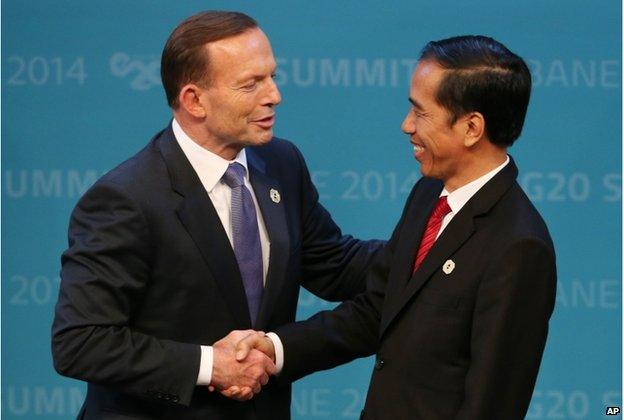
x,y
456,200
210,169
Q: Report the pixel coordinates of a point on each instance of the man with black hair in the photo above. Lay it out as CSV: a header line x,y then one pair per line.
x,y
457,309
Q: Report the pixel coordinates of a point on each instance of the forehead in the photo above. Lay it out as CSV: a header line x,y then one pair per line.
x,y
425,80
249,49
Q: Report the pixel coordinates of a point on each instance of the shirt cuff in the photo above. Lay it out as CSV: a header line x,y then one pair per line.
x,y
279,352
205,366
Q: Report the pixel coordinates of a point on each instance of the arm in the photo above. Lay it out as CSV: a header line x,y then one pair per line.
x,y
327,339
105,274
510,323
334,266
351,330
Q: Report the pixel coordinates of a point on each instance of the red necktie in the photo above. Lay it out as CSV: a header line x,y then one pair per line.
x,y
431,232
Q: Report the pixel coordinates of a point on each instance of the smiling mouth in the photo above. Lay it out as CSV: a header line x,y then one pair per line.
x,y
266,122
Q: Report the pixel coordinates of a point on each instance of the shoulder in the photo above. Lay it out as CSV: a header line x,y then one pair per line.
x,y
277,151
281,160
515,232
138,174
524,220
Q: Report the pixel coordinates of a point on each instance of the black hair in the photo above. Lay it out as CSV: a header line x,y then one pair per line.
x,y
483,76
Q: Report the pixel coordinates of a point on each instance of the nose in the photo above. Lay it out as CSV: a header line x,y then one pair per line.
x,y
408,126
273,96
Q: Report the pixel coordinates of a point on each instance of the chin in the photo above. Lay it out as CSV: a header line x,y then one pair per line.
x,y
264,138
258,139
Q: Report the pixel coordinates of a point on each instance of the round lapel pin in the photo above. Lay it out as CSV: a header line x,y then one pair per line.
x,y
275,195
448,267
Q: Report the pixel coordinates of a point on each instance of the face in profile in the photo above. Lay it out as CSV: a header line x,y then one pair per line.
x,y
241,95
438,144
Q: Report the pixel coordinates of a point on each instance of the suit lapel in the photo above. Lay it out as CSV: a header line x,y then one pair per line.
x,y
458,231
202,222
454,235
274,216
409,240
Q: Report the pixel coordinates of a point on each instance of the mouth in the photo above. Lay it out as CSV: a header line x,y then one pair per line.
x,y
266,122
418,149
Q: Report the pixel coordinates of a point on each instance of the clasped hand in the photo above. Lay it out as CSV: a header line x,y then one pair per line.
x,y
242,364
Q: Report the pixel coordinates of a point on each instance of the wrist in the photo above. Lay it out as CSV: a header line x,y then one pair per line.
x,y
217,363
278,351
271,348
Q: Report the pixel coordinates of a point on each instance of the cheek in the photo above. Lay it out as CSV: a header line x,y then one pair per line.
x,y
247,104
428,136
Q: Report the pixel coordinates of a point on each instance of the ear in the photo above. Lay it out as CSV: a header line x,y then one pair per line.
x,y
475,128
190,100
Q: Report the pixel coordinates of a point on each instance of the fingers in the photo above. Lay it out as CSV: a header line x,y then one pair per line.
x,y
239,394
264,379
238,335
242,376
231,392
257,341
246,394
224,363
269,366
251,341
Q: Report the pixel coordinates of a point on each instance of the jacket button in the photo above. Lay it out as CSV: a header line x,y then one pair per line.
x,y
175,398
379,364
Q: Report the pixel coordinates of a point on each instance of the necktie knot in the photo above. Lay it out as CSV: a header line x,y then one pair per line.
x,y
234,175
442,208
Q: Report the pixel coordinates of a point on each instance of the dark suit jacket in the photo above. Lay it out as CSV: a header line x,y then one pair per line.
x,y
460,345
150,275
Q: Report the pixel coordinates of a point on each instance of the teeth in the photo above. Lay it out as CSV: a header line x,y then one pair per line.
x,y
418,148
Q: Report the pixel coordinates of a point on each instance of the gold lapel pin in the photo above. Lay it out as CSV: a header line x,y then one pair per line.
x,y
275,195
448,267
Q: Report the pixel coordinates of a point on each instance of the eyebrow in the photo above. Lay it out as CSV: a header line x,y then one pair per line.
x,y
415,103
251,76
248,76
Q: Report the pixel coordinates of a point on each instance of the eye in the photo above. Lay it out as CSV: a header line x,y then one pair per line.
x,y
250,86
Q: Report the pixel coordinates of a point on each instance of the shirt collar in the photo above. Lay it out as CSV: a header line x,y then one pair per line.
x,y
209,166
458,198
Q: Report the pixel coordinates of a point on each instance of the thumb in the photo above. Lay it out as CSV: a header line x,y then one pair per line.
x,y
244,346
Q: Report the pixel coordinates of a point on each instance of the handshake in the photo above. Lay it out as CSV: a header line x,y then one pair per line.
x,y
242,364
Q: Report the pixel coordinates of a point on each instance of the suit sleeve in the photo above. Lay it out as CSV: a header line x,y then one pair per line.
x,y
350,331
105,272
510,323
334,266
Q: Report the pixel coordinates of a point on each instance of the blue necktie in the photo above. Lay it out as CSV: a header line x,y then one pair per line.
x,y
246,237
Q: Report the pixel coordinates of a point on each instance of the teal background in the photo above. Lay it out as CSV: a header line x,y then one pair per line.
x,y
81,92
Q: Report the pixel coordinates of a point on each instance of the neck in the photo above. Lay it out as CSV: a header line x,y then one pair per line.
x,y
196,130
476,168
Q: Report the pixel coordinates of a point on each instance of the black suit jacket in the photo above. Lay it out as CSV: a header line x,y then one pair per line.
x,y
150,275
460,344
